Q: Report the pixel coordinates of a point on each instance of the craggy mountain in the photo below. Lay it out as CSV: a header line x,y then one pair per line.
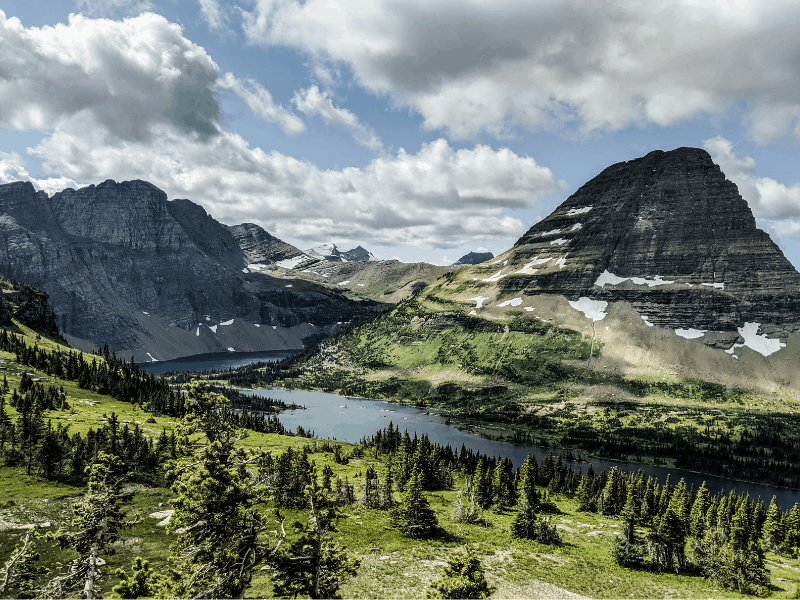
x,y
654,271
154,278
671,236
332,253
474,258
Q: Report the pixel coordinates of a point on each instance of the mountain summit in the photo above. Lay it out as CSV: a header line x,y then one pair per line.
x,y
669,234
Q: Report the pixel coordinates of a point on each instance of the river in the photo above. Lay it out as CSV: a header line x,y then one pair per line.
x,y
353,419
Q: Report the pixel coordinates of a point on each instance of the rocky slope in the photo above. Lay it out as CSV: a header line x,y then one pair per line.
x,y
150,277
332,253
28,305
473,258
262,248
671,236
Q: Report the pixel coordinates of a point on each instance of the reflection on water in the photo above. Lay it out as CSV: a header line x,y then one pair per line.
x,y
353,419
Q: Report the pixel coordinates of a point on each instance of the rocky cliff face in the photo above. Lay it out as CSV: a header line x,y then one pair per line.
x,y
263,248
669,234
124,266
28,305
474,258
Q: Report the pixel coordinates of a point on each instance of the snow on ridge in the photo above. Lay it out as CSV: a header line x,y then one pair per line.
x,y
578,211
496,277
227,323
479,300
592,309
691,334
291,263
719,286
607,277
551,232
760,343
512,302
559,241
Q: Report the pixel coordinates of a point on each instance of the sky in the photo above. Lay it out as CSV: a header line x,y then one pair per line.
x,y
419,130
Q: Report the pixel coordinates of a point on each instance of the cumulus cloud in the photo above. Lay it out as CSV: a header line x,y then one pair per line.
x,y
261,103
113,8
123,76
438,197
313,102
473,67
774,204
14,168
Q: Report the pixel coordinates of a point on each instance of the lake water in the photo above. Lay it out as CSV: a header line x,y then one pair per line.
x,y
215,360
353,419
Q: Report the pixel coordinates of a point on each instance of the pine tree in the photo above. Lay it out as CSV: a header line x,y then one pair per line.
x,y
774,533
697,515
143,582
792,529
313,565
610,504
95,527
627,551
387,497
371,498
414,516
463,578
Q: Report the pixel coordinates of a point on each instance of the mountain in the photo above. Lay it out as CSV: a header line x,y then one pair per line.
x,y
474,258
28,305
331,253
671,236
154,278
262,248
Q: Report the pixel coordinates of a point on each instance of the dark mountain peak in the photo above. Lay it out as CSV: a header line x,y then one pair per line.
x,y
670,234
474,258
261,247
208,234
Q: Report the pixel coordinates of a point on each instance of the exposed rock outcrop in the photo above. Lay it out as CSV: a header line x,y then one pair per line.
x,y
473,258
124,266
669,234
28,305
261,247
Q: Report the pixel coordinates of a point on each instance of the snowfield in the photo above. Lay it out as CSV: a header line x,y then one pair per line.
x,y
592,309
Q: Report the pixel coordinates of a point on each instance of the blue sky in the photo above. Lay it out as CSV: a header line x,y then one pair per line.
x,y
420,130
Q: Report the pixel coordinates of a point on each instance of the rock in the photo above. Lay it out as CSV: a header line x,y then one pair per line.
x,y
474,258
122,265
331,253
670,235
262,248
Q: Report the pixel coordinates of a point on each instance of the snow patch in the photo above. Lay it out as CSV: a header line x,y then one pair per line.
x,y
343,282
578,211
760,343
529,308
208,318
575,227
245,271
198,331
257,324
151,358
360,284
562,262
274,326
607,277
290,285
551,232
719,286
231,350
227,322
213,328
512,302
479,300
691,334
496,277
473,312
146,313
646,322
593,309
559,241
290,263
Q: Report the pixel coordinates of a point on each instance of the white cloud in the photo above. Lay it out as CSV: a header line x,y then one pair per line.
x,y
261,103
13,168
774,204
475,66
216,18
438,197
312,102
123,76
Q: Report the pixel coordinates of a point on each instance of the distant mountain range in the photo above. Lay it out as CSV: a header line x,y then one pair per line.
x,y
474,258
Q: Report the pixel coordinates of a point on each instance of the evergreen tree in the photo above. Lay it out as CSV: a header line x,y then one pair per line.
x,y
610,504
792,528
387,497
697,515
627,551
463,577
774,534
414,516
313,565
143,582
95,526
371,498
